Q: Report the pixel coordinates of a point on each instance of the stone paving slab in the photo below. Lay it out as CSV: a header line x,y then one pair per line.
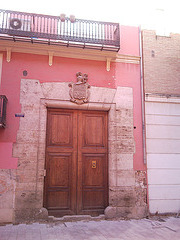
x,y
144,229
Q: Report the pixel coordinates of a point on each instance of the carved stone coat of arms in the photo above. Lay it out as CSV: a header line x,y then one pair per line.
x,y
79,91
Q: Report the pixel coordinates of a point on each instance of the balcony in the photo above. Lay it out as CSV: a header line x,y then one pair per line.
x,y
61,31
3,103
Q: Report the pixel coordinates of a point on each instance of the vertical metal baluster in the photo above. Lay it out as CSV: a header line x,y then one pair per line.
x,y
22,18
60,26
25,27
74,29
86,30
89,30
99,35
108,33
113,33
52,21
98,32
3,19
44,24
30,23
47,25
7,21
46,20
111,29
80,29
64,27
67,34
83,29
41,25
105,32
102,33
31,18
19,17
77,23
92,26
27,23
70,29
50,25
95,31
37,24
54,25
74,25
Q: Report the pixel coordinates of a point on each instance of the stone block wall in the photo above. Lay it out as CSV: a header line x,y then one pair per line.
x,y
7,193
127,188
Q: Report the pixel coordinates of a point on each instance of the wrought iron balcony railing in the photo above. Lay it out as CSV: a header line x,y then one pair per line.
x,y
62,30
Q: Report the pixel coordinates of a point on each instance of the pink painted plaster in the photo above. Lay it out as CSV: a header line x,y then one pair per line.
x,y
64,70
6,159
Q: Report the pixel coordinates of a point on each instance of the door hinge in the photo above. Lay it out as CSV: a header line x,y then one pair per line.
x,y
44,172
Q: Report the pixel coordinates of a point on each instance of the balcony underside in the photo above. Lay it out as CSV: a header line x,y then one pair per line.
x,y
82,45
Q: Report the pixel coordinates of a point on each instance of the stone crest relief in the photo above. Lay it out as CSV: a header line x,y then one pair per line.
x,y
79,91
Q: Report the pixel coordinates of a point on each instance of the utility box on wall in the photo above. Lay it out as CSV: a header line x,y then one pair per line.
x,y
3,104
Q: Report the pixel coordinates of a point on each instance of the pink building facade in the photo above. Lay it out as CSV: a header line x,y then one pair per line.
x,y
35,79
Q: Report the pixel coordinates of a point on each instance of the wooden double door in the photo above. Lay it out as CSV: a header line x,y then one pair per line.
x,y
76,179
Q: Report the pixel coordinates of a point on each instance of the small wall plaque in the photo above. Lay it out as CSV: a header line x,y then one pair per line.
x,y
19,114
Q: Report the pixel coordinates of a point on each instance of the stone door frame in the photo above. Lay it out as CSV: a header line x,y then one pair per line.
x,y
31,138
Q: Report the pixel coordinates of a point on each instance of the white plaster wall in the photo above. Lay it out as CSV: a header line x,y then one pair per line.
x,y
163,154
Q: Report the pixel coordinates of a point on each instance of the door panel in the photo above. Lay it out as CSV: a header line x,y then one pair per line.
x,y
58,200
61,163
92,170
93,201
93,130
60,132
76,162
61,154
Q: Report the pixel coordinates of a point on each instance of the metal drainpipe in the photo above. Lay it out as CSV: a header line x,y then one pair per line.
x,y
142,98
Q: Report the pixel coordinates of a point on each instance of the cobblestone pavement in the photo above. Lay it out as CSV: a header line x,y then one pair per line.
x,y
165,229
